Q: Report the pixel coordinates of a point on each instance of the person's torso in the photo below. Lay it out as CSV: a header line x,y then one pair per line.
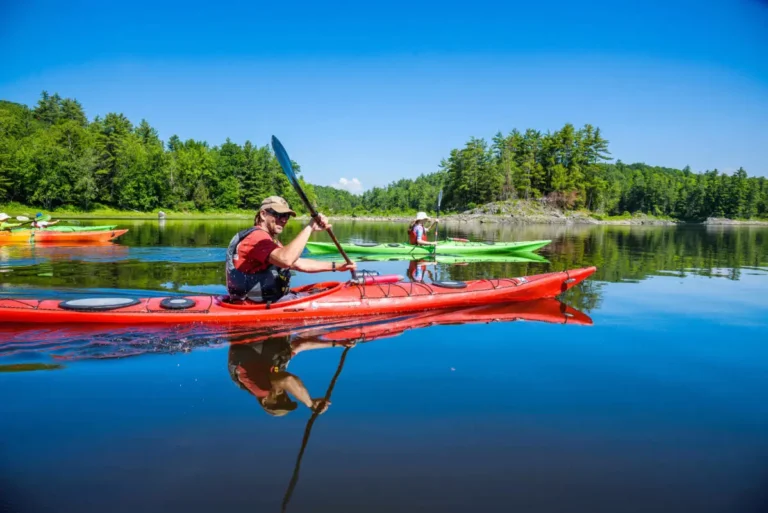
x,y
246,260
416,234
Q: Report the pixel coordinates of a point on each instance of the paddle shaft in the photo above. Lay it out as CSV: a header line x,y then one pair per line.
x,y
316,217
328,229
285,163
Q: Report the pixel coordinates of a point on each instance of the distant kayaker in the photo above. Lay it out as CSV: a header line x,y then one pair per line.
x,y
6,226
40,223
417,232
259,267
260,369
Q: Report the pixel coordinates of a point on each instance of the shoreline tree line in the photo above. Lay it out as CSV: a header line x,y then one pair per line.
x,y
53,157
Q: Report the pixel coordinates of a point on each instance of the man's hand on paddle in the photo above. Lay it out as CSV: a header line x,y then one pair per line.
x,y
320,405
319,224
347,267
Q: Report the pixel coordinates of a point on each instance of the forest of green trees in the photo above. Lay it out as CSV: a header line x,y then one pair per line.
x,y
51,156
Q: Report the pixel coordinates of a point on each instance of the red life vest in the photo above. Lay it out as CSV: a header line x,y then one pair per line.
x,y
412,235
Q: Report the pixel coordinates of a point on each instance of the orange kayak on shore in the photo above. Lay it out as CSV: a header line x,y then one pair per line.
x,y
322,300
53,236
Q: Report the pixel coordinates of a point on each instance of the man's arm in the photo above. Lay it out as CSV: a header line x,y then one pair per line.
x,y
288,255
294,386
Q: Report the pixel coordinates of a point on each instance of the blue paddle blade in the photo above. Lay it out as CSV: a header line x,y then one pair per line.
x,y
439,198
285,163
284,160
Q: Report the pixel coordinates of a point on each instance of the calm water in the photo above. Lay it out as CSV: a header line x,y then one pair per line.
x,y
651,397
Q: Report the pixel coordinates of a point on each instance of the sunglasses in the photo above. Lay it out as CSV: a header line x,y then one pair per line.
x,y
278,215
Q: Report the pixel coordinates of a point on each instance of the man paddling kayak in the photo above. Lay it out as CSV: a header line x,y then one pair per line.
x,y
259,267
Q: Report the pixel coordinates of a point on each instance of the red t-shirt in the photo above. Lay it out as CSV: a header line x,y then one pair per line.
x,y
253,252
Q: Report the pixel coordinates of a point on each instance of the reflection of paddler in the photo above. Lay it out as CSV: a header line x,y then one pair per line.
x,y
259,368
416,270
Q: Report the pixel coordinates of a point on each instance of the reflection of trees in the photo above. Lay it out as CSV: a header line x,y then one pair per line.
x,y
129,274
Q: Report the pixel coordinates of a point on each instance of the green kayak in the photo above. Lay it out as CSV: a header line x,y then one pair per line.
x,y
517,257
443,248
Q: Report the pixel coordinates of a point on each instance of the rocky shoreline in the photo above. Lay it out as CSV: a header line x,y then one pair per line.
x,y
572,219
532,212
509,219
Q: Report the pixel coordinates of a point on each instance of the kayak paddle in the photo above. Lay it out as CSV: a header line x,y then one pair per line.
x,y
285,163
26,220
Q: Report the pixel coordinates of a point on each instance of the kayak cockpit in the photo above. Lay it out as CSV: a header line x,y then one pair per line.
x,y
314,291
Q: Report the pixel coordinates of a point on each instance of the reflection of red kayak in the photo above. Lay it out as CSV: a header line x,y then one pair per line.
x,y
73,342
326,300
540,310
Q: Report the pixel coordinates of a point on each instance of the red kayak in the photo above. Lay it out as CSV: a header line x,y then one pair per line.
x,y
324,300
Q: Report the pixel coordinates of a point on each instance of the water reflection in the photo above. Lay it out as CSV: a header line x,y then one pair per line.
x,y
620,253
92,341
656,408
259,355
187,257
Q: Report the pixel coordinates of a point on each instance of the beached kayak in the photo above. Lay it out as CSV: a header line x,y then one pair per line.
x,y
324,300
442,248
49,235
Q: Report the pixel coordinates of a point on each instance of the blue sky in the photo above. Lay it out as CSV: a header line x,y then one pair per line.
x,y
382,91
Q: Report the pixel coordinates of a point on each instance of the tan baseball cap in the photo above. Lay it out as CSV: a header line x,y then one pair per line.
x,y
277,204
